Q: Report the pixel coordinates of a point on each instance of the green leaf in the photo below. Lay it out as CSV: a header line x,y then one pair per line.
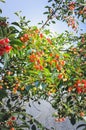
x,y
53,22
28,87
49,0
43,85
47,31
46,13
8,103
47,6
16,42
2,94
66,55
3,18
47,72
18,13
13,29
11,36
6,59
0,11
33,127
4,128
37,83
2,1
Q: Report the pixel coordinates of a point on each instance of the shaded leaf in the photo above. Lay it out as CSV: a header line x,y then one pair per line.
x,y
0,11
2,1
15,23
49,0
46,13
47,6
33,127
53,22
28,87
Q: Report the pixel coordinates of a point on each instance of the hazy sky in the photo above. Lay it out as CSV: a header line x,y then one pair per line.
x,y
33,10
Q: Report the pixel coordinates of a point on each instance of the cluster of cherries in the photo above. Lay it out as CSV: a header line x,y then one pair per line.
x,y
71,5
79,86
35,58
24,38
10,123
72,22
4,46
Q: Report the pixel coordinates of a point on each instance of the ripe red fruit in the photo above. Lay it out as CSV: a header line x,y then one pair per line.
x,y
85,85
84,81
25,36
22,39
62,119
49,40
60,76
13,118
57,56
1,87
41,35
71,5
82,114
10,123
2,41
12,128
58,67
8,48
79,90
41,67
2,51
7,40
62,62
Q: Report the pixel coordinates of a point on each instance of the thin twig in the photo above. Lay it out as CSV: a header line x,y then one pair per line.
x,y
52,14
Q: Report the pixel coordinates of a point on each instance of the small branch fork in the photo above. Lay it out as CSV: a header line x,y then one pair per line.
x,y
50,17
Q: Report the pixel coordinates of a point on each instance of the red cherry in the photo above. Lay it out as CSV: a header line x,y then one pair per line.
x,y
57,56
1,87
41,67
22,39
12,128
41,35
7,40
84,81
79,90
2,41
8,48
26,36
2,51
85,85
82,114
13,118
60,76
49,40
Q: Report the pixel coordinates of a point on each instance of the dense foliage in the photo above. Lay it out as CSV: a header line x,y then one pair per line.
x,y
38,64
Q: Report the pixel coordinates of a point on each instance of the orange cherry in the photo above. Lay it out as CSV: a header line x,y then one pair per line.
x,y
12,128
60,76
1,87
82,114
